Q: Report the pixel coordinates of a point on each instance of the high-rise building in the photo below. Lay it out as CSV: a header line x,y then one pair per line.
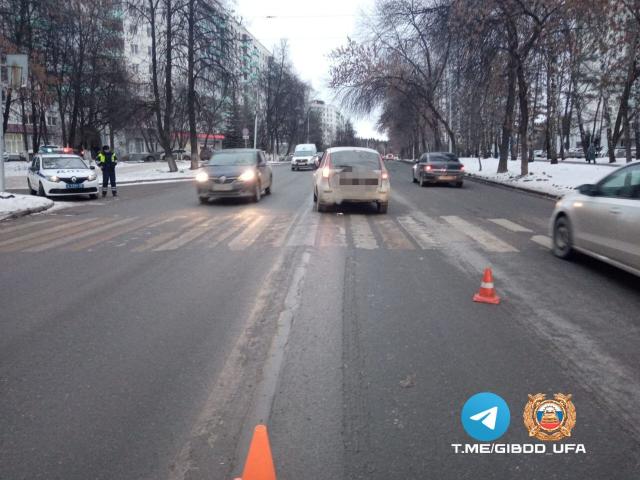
x,y
330,120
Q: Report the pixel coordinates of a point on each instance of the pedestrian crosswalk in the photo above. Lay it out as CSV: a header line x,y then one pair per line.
x,y
251,230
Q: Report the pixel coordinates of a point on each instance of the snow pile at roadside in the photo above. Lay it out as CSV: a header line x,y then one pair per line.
x,y
13,204
138,172
543,177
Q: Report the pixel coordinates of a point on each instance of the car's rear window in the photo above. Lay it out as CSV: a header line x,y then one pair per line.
x,y
442,157
355,158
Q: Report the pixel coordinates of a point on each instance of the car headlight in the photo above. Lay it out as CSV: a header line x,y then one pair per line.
x,y
247,176
53,178
92,177
202,177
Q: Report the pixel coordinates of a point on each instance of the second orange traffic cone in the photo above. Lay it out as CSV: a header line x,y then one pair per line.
x,y
259,464
487,292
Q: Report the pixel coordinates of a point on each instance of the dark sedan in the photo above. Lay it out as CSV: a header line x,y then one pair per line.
x,y
438,167
241,172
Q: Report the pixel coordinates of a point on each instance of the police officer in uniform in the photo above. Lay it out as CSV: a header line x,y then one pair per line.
x,y
107,161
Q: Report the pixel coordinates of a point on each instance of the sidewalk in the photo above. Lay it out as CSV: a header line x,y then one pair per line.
x,y
553,180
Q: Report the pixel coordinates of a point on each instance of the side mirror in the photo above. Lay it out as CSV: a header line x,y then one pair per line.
x,y
588,189
92,167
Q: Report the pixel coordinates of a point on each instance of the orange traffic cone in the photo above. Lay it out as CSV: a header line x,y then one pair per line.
x,y
259,464
487,294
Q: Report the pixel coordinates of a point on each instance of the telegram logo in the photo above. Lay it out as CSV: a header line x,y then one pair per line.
x,y
485,416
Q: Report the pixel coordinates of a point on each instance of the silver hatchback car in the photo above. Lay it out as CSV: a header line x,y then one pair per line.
x,y
602,220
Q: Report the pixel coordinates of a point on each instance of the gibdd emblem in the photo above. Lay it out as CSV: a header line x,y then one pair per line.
x,y
549,420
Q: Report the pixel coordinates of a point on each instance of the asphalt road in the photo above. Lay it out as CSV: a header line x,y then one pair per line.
x,y
144,337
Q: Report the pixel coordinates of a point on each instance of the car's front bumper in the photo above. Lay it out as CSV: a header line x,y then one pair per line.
x,y
235,189
60,189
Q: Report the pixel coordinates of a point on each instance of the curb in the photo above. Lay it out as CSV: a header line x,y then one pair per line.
x,y
26,211
494,183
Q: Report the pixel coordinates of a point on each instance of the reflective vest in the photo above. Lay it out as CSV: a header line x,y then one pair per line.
x,y
105,158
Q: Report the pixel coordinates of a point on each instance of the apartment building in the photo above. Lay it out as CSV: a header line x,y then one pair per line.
x,y
249,59
330,120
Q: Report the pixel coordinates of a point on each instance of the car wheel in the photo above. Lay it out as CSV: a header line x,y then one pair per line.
x,y
562,238
150,159
315,197
422,182
257,194
459,184
31,190
203,200
41,191
383,207
267,191
413,179
93,196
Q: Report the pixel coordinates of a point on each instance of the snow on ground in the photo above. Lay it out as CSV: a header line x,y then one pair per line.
x,y
139,172
15,204
543,176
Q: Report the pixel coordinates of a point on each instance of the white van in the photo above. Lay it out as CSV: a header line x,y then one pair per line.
x,y
303,156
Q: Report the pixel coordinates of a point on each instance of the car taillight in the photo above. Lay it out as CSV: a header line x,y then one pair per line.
x,y
461,167
385,176
67,150
326,172
428,168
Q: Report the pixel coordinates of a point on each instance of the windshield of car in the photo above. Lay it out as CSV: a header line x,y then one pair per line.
x,y
304,153
61,163
232,158
355,158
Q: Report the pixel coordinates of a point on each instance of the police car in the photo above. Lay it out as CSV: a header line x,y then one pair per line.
x,y
59,174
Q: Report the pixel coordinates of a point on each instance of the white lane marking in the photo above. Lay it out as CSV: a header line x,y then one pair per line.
x,y
105,237
509,225
186,237
23,226
420,234
161,238
78,236
542,240
304,232
361,233
249,235
277,230
21,239
332,231
237,223
392,236
486,240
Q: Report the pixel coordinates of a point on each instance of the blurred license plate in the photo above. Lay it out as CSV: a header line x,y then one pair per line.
x,y
74,185
447,178
222,187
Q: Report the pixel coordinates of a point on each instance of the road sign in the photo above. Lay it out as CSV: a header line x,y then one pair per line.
x,y
245,134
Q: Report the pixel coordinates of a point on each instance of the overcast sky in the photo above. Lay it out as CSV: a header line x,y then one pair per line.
x,y
313,29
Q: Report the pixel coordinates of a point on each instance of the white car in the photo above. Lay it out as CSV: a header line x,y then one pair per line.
x,y
57,174
351,175
303,156
602,220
